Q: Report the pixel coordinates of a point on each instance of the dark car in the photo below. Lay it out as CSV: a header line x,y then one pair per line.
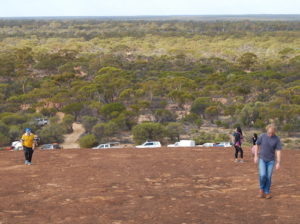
x,y
50,147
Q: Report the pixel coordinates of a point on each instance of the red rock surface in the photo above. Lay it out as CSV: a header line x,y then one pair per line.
x,y
141,186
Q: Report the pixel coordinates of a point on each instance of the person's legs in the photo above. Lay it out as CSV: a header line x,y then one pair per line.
x,y
26,154
242,153
30,155
269,172
236,151
262,174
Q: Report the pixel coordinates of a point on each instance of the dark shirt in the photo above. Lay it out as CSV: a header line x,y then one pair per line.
x,y
268,146
254,140
238,137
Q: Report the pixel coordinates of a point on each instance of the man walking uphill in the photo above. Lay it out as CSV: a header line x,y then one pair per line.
x,y
268,144
28,142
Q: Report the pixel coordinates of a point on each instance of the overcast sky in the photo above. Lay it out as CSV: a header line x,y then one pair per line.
x,y
20,8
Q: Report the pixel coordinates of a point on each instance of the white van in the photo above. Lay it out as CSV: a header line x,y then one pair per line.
x,y
149,145
184,143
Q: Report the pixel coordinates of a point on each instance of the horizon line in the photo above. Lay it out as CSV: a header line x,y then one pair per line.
x,y
169,15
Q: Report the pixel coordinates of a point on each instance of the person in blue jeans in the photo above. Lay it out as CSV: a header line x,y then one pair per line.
x,y
267,145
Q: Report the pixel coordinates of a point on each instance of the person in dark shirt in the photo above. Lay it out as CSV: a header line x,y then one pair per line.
x,y
254,140
268,144
237,143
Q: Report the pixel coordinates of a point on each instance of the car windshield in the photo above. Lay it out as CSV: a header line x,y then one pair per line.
x,y
150,143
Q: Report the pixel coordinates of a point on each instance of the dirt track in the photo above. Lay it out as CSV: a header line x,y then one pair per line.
x,y
71,140
154,186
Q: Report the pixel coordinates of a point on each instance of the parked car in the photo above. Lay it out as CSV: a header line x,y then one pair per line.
x,y
108,145
223,144
50,146
41,121
149,145
207,145
184,143
17,145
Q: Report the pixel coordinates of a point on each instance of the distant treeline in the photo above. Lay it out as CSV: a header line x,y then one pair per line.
x,y
91,28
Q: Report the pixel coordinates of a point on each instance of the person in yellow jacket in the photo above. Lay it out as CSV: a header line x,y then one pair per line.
x,y
28,142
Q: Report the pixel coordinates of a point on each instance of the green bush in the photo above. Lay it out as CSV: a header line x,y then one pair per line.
x,y
88,141
14,119
200,104
48,112
104,131
148,131
3,128
53,133
68,121
221,138
89,122
4,140
112,110
125,121
193,118
164,116
73,108
15,132
174,130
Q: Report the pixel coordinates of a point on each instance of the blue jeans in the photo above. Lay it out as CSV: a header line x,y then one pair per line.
x,y
265,175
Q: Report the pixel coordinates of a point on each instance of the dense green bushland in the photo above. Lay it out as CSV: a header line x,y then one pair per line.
x,y
113,75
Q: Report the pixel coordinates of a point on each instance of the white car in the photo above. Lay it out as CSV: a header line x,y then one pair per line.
x,y
108,145
224,144
17,145
149,145
184,143
41,121
207,145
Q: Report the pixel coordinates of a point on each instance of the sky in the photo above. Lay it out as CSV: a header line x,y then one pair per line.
x,y
29,8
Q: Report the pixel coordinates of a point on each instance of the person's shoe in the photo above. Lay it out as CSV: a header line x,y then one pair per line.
x,y
26,162
241,161
268,196
262,194
236,160
29,163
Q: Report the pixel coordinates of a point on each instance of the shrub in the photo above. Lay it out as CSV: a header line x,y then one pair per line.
x,y
200,104
219,123
148,131
193,118
164,116
48,112
211,112
125,120
14,119
174,130
73,108
3,128
68,121
105,131
15,132
112,110
88,141
53,133
221,138
4,140
89,122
